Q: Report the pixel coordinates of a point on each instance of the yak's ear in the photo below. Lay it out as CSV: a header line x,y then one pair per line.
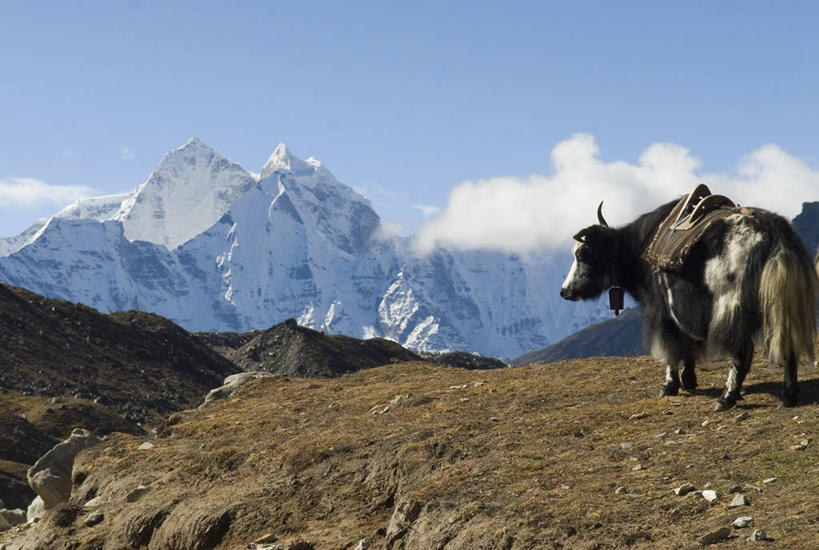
x,y
597,237
580,236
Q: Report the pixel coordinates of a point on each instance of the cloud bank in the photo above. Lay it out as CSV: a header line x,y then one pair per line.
x,y
30,193
542,212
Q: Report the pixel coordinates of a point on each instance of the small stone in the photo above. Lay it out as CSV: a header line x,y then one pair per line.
x,y
801,446
661,435
626,445
722,534
735,489
147,446
769,480
267,537
464,399
679,431
565,487
637,468
461,387
94,518
93,503
135,495
363,544
710,495
742,522
758,535
684,489
637,416
705,423
620,491
739,500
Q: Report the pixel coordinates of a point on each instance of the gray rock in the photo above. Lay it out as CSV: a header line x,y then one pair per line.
x,y
13,517
4,525
93,503
50,477
739,500
147,446
36,509
94,518
742,522
710,495
801,446
136,494
684,489
720,535
758,535
232,383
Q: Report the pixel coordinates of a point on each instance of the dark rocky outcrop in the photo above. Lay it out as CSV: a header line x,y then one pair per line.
x,y
287,348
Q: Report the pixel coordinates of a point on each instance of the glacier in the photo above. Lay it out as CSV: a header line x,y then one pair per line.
x,y
215,247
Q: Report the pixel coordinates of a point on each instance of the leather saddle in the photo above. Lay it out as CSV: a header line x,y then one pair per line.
x,y
685,225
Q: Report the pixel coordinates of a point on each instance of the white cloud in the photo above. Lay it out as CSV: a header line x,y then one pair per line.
x,y
426,209
540,212
32,193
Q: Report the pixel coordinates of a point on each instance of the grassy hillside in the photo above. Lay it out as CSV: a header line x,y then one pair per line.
x,y
577,454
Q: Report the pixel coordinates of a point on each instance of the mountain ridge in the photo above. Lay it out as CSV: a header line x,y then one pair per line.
x,y
215,247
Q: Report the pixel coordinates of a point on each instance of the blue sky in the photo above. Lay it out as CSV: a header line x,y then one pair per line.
x,y
408,101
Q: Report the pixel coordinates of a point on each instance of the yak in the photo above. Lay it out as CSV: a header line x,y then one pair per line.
x,y
720,275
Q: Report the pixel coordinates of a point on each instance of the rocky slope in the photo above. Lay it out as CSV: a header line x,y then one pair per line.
x,y
578,454
65,365
214,247
140,365
287,348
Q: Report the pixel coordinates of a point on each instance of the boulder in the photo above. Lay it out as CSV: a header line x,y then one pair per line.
x,y
36,509
50,477
232,383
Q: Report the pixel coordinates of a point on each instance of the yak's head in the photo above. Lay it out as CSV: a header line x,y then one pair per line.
x,y
594,253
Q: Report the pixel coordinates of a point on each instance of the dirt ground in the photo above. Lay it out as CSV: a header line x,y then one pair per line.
x,y
576,454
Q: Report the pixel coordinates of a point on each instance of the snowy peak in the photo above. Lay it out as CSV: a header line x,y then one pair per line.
x,y
282,160
190,189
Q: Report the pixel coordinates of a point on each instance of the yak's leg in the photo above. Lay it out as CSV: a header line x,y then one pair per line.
x,y
790,393
672,379
689,376
740,365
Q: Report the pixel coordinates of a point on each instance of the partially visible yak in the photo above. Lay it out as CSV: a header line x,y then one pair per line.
x,y
748,271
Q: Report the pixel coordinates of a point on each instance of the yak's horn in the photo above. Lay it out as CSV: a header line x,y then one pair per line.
x,y
600,217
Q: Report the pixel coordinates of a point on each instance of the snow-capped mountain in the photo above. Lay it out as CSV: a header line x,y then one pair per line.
x,y
215,247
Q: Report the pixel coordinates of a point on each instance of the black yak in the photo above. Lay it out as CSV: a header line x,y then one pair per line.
x,y
708,276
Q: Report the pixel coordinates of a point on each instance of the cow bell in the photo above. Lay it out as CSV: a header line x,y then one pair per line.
x,y
616,299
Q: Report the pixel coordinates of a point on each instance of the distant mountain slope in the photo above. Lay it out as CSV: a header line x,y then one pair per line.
x,y
618,336
215,247
807,225
140,365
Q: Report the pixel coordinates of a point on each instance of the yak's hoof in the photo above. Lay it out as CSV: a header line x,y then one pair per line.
x,y
724,403
668,390
689,381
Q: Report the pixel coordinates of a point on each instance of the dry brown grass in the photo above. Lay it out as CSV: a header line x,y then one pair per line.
x,y
519,458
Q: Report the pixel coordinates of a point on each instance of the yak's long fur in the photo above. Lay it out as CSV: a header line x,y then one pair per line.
x,y
748,272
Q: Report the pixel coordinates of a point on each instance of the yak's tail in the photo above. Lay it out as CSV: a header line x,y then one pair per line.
x,y
788,293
